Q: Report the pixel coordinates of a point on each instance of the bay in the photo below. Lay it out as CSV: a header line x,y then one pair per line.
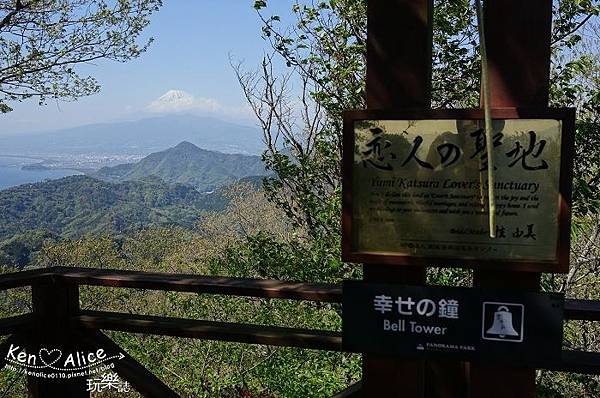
x,y
12,175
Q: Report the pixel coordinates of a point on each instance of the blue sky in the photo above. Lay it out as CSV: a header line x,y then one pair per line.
x,y
193,41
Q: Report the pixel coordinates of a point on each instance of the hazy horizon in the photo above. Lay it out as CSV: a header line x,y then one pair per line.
x,y
132,118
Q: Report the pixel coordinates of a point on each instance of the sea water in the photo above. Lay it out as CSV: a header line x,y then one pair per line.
x,y
12,175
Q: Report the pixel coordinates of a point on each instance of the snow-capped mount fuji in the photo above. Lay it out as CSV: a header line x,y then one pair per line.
x,y
176,95
173,101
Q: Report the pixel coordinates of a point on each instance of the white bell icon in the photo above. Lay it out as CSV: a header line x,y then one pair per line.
x,y
503,325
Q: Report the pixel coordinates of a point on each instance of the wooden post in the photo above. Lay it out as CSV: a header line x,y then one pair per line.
x,y
399,57
53,306
518,46
140,378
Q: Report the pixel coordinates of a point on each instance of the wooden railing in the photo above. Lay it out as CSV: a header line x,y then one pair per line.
x,y
55,302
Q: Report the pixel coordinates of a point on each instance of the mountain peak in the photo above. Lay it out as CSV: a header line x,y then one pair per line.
x,y
186,144
179,96
172,101
188,164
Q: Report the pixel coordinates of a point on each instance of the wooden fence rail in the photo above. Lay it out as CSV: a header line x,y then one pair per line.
x,y
63,283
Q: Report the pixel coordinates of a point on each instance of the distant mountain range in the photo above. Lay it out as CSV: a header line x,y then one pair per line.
x,y
187,164
140,137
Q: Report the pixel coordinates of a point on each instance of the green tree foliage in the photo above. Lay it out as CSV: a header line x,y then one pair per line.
x,y
204,368
322,51
78,205
575,77
187,164
42,42
21,249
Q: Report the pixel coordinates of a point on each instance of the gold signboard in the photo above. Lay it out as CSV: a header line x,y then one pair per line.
x,y
416,189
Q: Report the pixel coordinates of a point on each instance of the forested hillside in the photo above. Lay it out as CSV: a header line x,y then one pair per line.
x,y
78,205
163,189
188,164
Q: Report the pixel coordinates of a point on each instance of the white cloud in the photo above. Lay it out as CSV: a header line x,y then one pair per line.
x,y
174,101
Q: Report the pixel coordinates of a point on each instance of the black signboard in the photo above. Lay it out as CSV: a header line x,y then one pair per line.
x,y
469,324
